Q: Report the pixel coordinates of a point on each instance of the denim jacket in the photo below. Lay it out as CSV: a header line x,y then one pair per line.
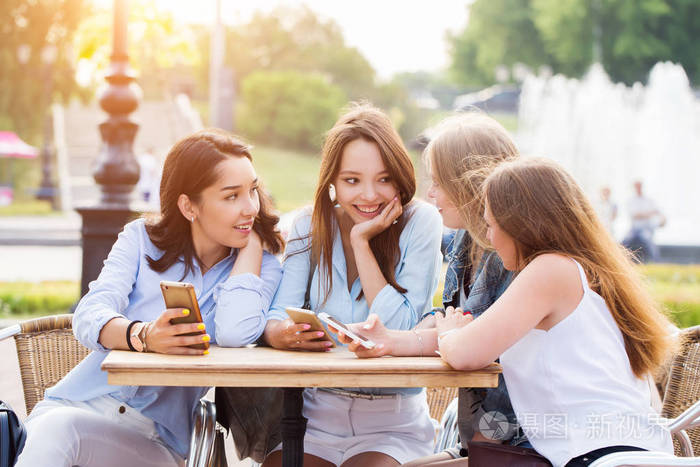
x,y
491,280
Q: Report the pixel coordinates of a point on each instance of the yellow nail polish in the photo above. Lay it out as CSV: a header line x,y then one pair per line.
x,y
206,352
201,326
206,338
185,312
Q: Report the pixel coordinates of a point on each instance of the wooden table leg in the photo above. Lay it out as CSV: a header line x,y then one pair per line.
x,y
293,428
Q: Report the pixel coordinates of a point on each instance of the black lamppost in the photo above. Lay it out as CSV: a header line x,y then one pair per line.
x,y
47,189
116,170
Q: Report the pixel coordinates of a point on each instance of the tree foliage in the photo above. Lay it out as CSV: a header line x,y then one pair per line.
x,y
288,108
27,28
500,32
159,47
297,39
627,36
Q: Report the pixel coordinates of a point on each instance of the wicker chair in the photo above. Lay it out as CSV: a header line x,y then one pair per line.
x,y
683,387
47,351
442,404
438,400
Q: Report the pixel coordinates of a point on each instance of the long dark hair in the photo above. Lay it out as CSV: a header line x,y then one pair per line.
x,y
362,121
190,168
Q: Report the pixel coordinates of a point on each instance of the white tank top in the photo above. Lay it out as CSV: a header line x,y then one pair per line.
x,y
573,389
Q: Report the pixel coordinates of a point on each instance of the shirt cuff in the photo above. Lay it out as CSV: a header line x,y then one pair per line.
x,y
95,327
390,299
247,280
276,314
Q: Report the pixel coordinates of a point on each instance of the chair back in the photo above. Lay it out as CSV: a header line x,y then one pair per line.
x,y
438,400
47,351
683,387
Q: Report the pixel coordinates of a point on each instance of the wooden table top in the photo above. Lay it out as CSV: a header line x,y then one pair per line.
x,y
267,367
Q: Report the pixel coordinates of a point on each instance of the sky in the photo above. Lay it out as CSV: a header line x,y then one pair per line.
x,y
393,35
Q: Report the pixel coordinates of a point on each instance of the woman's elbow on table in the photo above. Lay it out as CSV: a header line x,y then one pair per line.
x,y
241,334
464,359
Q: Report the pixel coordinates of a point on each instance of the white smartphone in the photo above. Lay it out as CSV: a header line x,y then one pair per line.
x,y
331,321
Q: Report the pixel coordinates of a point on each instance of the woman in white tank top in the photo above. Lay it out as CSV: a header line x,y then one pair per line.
x,y
576,331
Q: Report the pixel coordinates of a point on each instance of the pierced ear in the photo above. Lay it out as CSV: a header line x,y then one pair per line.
x,y
186,207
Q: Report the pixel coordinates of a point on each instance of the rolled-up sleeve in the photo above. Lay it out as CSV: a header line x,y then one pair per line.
x,y
242,302
417,272
295,270
108,295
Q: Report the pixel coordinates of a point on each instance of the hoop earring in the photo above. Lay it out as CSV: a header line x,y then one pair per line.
x,y
331,192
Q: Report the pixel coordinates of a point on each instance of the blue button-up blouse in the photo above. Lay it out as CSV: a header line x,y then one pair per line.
x,y
233,308
417,271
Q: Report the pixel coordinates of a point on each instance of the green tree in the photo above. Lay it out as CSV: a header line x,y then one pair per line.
x,y
634,37
289,108
297,39
566,30
627,36
35,29
499,32
159,47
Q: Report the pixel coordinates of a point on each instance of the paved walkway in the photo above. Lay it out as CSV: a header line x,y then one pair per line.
x,y
61,229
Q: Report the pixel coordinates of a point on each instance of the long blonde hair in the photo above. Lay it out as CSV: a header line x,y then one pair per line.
x,y
463,151
541,206
361,121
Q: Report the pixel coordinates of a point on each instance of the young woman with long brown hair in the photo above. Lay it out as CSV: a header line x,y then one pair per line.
x,y
373,248
214,229
576,331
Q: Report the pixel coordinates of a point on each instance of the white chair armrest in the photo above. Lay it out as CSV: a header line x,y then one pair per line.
x,y
10,331
690,418
644,458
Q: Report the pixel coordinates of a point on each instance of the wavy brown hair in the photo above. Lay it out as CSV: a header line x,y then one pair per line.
x,y
362,121
464,149
191,167
541,206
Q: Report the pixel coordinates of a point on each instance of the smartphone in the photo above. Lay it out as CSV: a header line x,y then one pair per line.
x,y
181,295
331,321
302,316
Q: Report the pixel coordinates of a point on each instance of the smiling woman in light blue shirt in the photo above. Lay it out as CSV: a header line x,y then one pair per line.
x,y
373,249
214,223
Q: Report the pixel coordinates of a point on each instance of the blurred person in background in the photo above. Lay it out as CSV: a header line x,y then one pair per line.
x,y
645,218
607,209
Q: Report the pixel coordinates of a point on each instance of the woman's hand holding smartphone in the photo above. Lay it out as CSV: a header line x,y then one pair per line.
x,y
373,329
289,335
164,337
178,330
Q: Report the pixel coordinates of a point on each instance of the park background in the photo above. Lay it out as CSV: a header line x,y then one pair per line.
x,y
284,70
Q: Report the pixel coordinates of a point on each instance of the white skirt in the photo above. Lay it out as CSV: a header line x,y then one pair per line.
x,y
341,427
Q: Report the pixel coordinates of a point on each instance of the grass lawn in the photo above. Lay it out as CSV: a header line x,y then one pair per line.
x,y
678,289
289,176
32,207
24,300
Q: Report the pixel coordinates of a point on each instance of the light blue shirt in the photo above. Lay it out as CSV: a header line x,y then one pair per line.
x,y
417,271
233,309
